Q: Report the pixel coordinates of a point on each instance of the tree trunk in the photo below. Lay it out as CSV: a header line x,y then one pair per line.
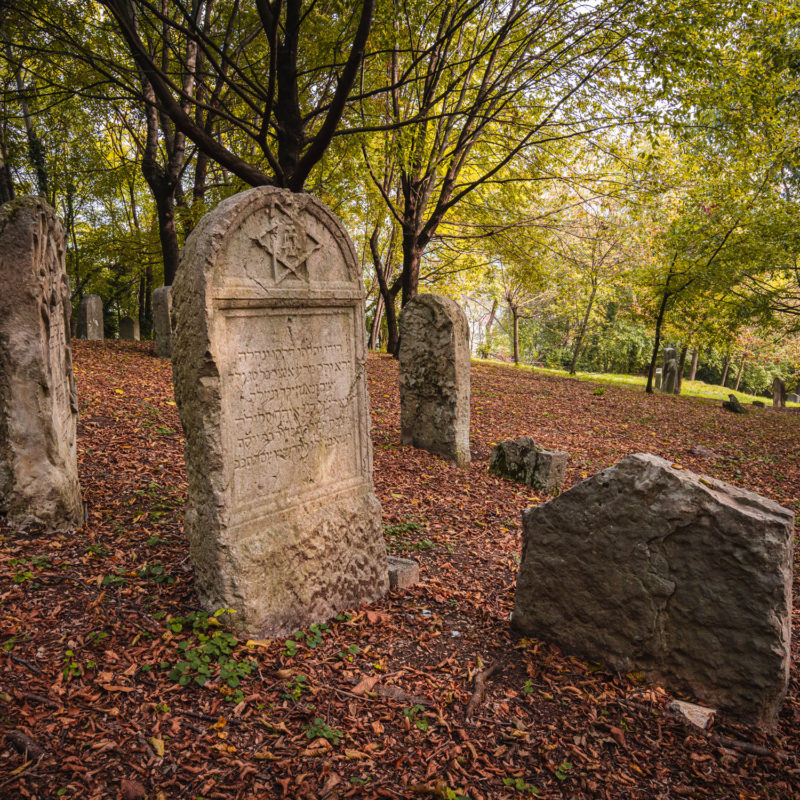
x,y
681,366
515,334
409,280
739,374
657,343
693,371
167,232
582,330
375,328
489,323
725,370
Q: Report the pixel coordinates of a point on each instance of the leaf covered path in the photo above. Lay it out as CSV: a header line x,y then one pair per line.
x,y
103,655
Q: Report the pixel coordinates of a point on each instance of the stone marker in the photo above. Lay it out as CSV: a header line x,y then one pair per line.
x,y
652,568
524,461
659,376
732,404
778,393
129,329
38,398
793,398
268,363
90,318
403,572
759,403
434,377
162,321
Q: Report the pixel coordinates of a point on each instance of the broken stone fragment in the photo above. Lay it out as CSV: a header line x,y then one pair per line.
x,y
524,461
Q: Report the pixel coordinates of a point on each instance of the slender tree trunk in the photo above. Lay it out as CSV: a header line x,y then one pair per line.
x,y
515,331
167,232
725,370
739,374
657,343
693,370
489,323
681,366
6,182
412,256
392,327
375,328
582,330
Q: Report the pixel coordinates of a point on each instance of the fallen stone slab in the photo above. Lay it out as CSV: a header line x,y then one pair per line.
x,y
524,461
652,568
699,716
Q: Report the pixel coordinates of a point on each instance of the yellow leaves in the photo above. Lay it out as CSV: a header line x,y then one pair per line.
x,y
119,391
157,745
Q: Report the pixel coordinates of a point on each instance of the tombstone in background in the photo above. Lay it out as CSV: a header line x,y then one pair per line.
x,y
659,375
733,405
434,377
38,398
90,318
269,368
670,385
162,321
524,461
778,393
129,329
652,568
793,398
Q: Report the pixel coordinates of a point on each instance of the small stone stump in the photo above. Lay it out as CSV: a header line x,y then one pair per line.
x,y
652,568
733,405
90,318
38,397
671,384
434,377
659,377
778,393
269,370
162,321
129,329
403,572
524,461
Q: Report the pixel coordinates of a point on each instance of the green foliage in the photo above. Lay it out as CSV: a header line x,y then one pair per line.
x,y
296,687
320,729
413,716
520,785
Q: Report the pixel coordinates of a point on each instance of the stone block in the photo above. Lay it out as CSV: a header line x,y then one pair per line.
x,y
269,370
434,377
90,318
129,329
778,393
651,568
403,572
524,461
38,397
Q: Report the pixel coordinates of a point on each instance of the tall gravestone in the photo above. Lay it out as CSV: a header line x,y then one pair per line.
x,y
778,393
670,382
434,377
269,368
129,329
162,321
90,318
38,398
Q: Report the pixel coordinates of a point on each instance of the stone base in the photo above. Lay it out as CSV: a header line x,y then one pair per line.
x,y
403,572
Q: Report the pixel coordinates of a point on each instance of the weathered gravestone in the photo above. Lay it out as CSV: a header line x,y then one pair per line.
x,y
434,377
90,318
670,384
38,399
268,362
659,376
733,405
793,398
652,568
778,393
524,461
162,321
129,329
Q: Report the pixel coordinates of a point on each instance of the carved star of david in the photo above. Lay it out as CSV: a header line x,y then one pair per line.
x,y
279,238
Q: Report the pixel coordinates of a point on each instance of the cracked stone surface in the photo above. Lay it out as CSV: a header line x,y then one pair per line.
x,y
434,377
650,568
38,397
524,461
269,369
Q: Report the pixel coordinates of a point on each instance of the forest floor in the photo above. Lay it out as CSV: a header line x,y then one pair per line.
x,y
372,704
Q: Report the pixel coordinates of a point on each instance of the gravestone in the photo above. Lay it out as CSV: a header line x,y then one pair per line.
x,y
651,568
759,403
434,377
670,385
778,393
129,329
524,461
793,398
269,369
38,398
733,405
90,318
659,375
162,321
